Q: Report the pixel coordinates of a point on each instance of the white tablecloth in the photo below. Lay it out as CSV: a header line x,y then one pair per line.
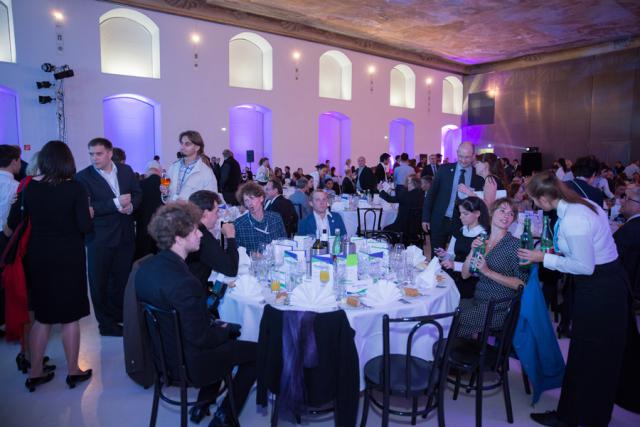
x,y
350,219
367,323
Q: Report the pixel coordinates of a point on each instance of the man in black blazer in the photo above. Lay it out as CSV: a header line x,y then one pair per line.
x,y
230,177
276,202
151,200
365,180
438,211
585,170
432,168
407,200
381,171
114,194
627,238
210,347
348,186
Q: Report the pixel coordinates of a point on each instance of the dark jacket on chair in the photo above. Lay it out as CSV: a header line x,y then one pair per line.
x,y
628,244
285,208
406,200
367,180
337,377
137,356
348,186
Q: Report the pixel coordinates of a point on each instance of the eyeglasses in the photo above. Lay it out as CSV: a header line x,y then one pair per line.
x,y
624,196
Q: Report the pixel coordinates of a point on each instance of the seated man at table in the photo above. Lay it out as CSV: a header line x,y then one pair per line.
x,y
276,202
257,226
321,219
211,255
299,197
411,198
210,347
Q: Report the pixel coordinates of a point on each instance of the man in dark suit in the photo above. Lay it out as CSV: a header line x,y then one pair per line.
x,y
348,186
151,200
626,238
365,180
585,170
438,211
210,347
432,168
114,194
230,177
276,202
381,169
413,198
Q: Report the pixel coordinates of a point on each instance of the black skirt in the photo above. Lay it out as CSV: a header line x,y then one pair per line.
x,y
600,320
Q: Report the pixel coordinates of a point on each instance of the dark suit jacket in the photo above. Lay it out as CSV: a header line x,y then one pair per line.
x,y
406,200
348,186
380,174
110,227
212,256
285,208
367,180
438,196
307,225
166,282
582,187
628,243
427,171
230,176
151,201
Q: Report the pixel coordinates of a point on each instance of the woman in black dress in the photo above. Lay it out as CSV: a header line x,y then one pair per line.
x,y
58,209
601,316
499,269
475,221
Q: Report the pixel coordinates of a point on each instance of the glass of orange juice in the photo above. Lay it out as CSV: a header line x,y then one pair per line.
x,y
324,275
165,181
275,285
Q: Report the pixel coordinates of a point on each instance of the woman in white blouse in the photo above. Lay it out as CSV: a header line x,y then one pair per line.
x,y
585,248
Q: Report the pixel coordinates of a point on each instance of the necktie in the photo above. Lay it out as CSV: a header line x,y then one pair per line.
x,y
461,180
433,168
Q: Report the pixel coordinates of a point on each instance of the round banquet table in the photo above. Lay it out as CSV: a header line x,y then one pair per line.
x,y
366,322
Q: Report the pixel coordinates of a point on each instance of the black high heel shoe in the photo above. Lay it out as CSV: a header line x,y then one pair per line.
x,y
72,380
32,383
24,365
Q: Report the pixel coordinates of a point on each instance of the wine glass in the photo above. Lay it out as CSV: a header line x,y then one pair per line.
x,y
165,182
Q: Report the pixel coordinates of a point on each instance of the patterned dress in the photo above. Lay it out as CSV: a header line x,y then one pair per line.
x,y
503,259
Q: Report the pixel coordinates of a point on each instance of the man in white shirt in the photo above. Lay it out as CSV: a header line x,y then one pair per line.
x,y
321,218
9,166
318,175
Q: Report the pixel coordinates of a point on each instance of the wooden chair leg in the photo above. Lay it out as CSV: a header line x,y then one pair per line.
x,y
414,409
365,408
274,413
507,395
183,405
154,406
456,388
479,399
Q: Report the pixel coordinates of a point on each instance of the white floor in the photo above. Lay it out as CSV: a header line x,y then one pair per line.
x,y
110,398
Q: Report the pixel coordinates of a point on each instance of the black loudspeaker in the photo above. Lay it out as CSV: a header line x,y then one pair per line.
x,y
249,156
481,108
531,162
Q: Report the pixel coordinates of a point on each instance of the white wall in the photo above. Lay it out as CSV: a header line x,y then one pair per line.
x,y
200,98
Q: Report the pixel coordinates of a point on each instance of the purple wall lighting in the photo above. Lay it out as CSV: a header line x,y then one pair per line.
x,y
334,139
9,117
401,138
250,129
132,122
451,138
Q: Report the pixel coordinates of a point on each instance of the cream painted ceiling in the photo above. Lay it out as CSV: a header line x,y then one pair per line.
x,y
463,32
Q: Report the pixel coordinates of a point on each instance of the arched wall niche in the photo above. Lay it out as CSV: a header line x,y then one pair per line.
x,y
129,44
334,138
132,122
10,116
401,137
250,129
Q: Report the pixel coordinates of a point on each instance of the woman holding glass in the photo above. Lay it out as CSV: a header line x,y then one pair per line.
x,y
499,270
475,221
601,317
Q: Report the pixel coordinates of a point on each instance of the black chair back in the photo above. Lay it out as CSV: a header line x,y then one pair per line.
x,y
298,208
369,219
413,233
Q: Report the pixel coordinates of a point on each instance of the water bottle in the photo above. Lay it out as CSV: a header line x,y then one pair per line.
x,y
546,241
480,250
526,241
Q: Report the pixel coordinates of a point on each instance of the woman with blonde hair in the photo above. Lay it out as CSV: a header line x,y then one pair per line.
x,y
585,248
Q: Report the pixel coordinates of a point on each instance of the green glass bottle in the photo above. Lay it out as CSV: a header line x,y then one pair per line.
x,y
480,250
546,241
526,240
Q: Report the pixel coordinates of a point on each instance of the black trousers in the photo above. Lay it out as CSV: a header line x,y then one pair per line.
x,y
215,363
109,270
441,234
598,342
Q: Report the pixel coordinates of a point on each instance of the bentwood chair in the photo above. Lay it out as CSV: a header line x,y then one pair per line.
x,y
369,219
488,353
409,376
165,374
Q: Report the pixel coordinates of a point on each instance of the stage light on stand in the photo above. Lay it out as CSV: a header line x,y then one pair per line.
x,y
43,85
45,99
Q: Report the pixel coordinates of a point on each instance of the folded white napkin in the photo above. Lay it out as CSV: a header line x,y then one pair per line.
x,y
248,287
427,279
311,296
244,262
382,293
414,255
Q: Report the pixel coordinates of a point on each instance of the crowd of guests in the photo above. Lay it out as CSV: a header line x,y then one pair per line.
x,y
174,215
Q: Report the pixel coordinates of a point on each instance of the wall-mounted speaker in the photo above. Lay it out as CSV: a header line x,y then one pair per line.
x,y
481,110
531,162
250,156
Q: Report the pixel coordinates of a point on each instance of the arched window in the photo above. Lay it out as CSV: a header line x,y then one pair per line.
x,y
132,122
250,62
10,124
7,41
129,44
401,140
402,89
250,129
452,95
335,75
334,138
